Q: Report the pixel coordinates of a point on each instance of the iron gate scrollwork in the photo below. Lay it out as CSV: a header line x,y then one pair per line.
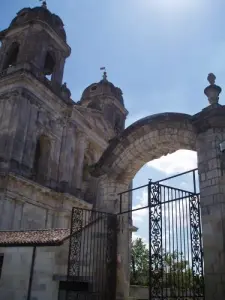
x,y
175,244
92,255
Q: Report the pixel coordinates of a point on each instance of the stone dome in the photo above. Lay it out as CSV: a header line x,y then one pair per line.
x,y
103,87
41,14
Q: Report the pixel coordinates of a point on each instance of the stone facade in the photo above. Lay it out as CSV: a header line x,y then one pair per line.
x,y
48,145
50,264
48,142
28,205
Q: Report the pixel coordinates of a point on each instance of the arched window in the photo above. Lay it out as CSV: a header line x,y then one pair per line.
x,y
49,65
11,56
41,158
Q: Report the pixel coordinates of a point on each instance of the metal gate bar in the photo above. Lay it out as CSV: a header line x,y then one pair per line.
x,y
175,244
92,255
193,172
175,239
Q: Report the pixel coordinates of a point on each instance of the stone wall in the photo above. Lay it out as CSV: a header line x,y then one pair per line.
x,y
14,283
31,113
27,205
212,184
50,262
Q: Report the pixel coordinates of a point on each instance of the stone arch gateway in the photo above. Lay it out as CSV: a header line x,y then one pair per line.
x,y
143,141
161,134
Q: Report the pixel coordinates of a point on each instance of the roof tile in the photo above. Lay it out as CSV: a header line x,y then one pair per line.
x,y
47,237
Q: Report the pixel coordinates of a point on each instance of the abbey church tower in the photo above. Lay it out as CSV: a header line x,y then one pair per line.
x,y
36,37
48,142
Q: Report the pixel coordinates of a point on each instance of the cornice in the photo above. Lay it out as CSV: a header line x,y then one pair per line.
x,y
47,191
23,78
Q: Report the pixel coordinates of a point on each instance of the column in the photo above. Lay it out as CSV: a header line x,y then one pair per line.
x,y
210,126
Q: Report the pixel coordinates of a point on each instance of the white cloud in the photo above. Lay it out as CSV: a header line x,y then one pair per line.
x,y
138,216
179,161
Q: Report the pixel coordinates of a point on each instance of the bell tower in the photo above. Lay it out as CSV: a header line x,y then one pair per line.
x,y
33,97
35,38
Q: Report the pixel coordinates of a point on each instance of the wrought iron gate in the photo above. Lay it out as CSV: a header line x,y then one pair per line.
x,y
175,251
92,256
175,260
175,240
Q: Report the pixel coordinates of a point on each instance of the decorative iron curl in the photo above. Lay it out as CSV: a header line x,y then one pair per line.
x,y
196,246
155,238
75,242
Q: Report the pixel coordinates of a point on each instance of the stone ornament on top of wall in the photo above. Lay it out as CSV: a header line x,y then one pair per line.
x,y
212,91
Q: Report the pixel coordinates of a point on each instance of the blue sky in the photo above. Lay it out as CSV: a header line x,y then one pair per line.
x,y
159,52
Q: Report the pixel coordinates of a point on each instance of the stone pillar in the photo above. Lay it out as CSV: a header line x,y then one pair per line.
x,y
108,200
210,126
213,214
79,159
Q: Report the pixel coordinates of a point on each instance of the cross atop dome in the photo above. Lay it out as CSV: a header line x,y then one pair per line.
x,y
44,4
104,76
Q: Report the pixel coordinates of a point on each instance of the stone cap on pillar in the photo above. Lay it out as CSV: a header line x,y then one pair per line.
x,y
212,91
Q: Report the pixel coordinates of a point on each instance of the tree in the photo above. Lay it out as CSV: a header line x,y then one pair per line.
x,y
177,274
139,263
171,268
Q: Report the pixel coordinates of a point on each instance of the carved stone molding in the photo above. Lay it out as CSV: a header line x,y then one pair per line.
x,y
31,98
9,95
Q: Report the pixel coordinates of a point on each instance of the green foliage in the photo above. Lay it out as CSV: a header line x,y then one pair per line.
x,y
174,272
139,263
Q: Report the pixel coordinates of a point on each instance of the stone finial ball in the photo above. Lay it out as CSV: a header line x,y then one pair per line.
x,y
211,78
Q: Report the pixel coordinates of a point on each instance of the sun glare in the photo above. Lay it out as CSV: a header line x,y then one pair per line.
x,y
174,5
